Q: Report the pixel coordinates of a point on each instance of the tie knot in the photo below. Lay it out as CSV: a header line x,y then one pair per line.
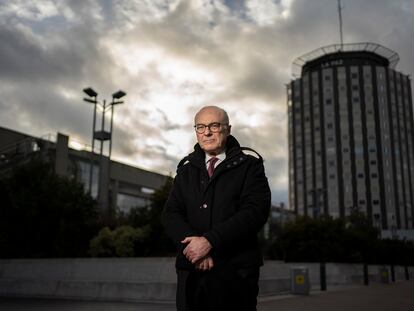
x,y
211,163
213,160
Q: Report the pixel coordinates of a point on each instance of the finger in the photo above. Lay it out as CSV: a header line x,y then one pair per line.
x,y
210,263
187,240
195,257
199,265
205,265
185,251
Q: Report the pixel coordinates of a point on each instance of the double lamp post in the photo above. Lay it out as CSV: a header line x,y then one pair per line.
x,y
101,135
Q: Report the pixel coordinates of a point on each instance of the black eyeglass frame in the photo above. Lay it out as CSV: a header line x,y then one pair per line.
x,y
214,127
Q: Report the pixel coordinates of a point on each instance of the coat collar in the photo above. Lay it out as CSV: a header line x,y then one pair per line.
x,y
197,157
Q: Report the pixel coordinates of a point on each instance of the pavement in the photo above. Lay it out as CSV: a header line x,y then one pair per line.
x,y
397,296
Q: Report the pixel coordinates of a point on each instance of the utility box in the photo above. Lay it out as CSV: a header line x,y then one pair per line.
x,y
300,284
384,273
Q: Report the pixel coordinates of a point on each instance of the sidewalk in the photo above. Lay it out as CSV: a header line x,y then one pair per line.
x,y
376,297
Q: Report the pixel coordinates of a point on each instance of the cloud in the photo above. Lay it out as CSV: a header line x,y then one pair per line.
x,y
172,57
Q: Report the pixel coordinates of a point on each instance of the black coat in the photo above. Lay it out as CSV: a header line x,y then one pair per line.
x,y
228,209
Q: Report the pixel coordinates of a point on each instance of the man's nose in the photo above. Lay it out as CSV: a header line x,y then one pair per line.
x,y
207,131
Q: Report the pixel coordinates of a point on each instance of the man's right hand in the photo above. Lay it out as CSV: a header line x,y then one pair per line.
x,y
205,264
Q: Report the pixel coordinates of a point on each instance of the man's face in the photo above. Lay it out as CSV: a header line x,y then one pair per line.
x,y
212,143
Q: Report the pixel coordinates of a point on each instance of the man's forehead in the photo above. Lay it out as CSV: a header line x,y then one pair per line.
x,y
210,114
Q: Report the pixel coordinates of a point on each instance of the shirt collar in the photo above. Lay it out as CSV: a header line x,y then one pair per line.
x,y
221,156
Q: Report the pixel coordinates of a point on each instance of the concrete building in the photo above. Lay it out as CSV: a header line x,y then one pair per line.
x,y
279,215
351,135
121,186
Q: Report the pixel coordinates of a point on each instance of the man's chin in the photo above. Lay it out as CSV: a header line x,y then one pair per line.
x,y
212,151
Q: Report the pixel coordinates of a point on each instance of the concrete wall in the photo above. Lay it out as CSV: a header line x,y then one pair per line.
x,y
146,279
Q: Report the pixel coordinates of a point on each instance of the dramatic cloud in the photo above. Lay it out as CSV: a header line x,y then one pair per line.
x,y
172,57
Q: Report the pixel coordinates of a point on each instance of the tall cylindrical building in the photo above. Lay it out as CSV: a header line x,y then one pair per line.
x,y
351,135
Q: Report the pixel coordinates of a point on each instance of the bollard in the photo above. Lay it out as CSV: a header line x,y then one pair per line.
x,y
299,278
366,276
392,274
322,273
407,275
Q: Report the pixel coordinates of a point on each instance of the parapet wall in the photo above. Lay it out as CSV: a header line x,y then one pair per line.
x,y
147,279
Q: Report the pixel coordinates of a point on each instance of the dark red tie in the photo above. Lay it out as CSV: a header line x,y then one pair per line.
x,y
211,163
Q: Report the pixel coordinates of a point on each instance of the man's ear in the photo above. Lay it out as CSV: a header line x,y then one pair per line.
x,y
229,129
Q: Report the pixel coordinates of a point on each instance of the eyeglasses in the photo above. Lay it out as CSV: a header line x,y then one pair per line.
x,y
213,127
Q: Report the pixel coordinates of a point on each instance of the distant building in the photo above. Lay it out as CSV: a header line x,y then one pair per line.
x,y
122,186
279,215
351,135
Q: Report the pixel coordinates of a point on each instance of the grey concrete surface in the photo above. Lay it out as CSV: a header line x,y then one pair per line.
x,y
376,297
147,279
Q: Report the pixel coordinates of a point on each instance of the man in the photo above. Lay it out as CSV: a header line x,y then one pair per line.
x,y
220,200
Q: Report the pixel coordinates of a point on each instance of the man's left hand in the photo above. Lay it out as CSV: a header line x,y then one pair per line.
x,y
197,248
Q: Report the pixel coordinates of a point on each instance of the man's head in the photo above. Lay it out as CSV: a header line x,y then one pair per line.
x,y
212,129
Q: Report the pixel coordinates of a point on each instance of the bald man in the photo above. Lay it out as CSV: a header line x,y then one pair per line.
x,y
220,200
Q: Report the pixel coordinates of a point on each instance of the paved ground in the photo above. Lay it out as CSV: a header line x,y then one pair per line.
x,y
376,297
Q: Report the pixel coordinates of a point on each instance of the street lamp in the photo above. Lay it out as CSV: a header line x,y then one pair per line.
x,y
91,93
117,95
101,135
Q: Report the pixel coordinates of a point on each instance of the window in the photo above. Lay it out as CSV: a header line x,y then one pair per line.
x,y
126,202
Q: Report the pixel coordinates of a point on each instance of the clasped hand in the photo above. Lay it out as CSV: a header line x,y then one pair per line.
x,y
196,252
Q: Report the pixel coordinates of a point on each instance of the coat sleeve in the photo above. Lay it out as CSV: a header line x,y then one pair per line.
x,y
174,215
252,214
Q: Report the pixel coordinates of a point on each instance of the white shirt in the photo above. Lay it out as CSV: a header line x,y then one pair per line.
x,y
221,156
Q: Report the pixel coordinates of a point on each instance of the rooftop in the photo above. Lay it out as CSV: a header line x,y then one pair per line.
x,y
374,49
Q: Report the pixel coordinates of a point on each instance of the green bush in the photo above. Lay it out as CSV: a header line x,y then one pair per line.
x,y
123,241
352,240
156,242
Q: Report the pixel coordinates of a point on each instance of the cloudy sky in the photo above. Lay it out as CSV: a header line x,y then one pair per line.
x,y
172,57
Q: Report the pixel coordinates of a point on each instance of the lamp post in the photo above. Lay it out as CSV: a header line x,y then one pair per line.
x,y
102,135
377,222
115,101
316,201
93,100
316,193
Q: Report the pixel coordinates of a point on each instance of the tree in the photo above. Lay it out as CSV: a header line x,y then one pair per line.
x,y
43,214
353,239
120,242
151,241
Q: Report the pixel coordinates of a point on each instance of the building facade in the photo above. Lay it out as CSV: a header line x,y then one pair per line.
x,y
351,135
115,185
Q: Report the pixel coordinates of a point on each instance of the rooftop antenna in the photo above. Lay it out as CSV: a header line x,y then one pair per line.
x,y
340,7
